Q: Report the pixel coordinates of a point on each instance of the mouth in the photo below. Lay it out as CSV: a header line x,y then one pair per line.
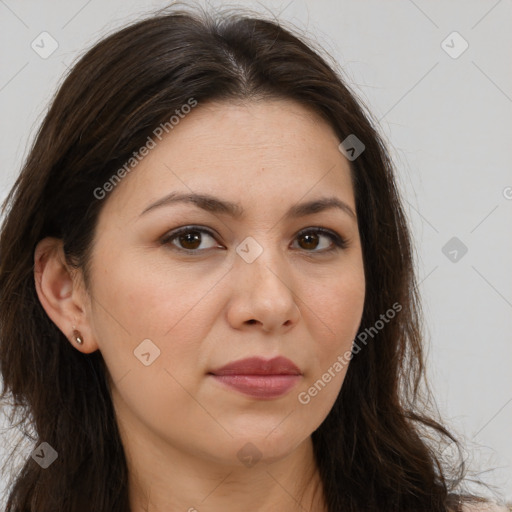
x,y
258,377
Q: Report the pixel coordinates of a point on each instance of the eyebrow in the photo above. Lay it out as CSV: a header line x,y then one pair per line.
x,y
216,205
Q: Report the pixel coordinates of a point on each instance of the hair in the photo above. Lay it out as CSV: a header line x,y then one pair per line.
x,y
379,448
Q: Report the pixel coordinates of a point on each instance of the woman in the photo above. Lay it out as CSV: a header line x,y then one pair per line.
x,y
207,290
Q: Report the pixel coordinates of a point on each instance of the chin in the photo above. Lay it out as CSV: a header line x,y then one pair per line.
x,y
258,446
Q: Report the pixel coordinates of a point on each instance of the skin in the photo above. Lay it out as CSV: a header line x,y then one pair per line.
x,y
181,429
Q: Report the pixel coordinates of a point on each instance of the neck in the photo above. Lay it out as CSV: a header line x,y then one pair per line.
x,y
168,479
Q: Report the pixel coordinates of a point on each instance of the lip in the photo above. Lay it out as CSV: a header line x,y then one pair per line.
x,y
258,377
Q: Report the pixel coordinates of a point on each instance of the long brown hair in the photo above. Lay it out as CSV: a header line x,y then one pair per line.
x,y
374,450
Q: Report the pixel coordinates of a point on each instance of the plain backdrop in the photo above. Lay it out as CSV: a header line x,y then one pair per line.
x,y
437,78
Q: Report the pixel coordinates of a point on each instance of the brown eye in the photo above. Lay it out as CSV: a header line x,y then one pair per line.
x,y
310,241
190,240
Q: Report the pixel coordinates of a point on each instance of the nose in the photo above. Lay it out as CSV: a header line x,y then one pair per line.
x,y
263,296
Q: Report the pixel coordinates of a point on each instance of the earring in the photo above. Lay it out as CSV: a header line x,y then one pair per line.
x,y
78,337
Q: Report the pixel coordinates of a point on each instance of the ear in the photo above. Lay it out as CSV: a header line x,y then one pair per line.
x,y
62,293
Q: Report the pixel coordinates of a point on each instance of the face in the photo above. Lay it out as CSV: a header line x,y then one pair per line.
x,y
223,320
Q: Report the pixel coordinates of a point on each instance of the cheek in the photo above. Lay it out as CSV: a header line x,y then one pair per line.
x,y
339,306
337,316
147,298
171,307
154,379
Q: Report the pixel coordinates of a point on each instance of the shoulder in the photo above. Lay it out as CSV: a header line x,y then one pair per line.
x,y
484,507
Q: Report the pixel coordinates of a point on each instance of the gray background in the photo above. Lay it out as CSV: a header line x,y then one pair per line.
x,y
447,121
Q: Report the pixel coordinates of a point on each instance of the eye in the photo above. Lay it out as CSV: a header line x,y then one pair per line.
x,y
311,239
190,239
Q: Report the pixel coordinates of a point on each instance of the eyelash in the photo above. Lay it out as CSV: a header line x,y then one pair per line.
x,y
338,241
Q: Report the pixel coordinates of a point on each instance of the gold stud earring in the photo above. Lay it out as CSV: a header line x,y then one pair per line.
x,y
78,337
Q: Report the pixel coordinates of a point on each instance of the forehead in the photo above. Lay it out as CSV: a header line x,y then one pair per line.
x,y
276,150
